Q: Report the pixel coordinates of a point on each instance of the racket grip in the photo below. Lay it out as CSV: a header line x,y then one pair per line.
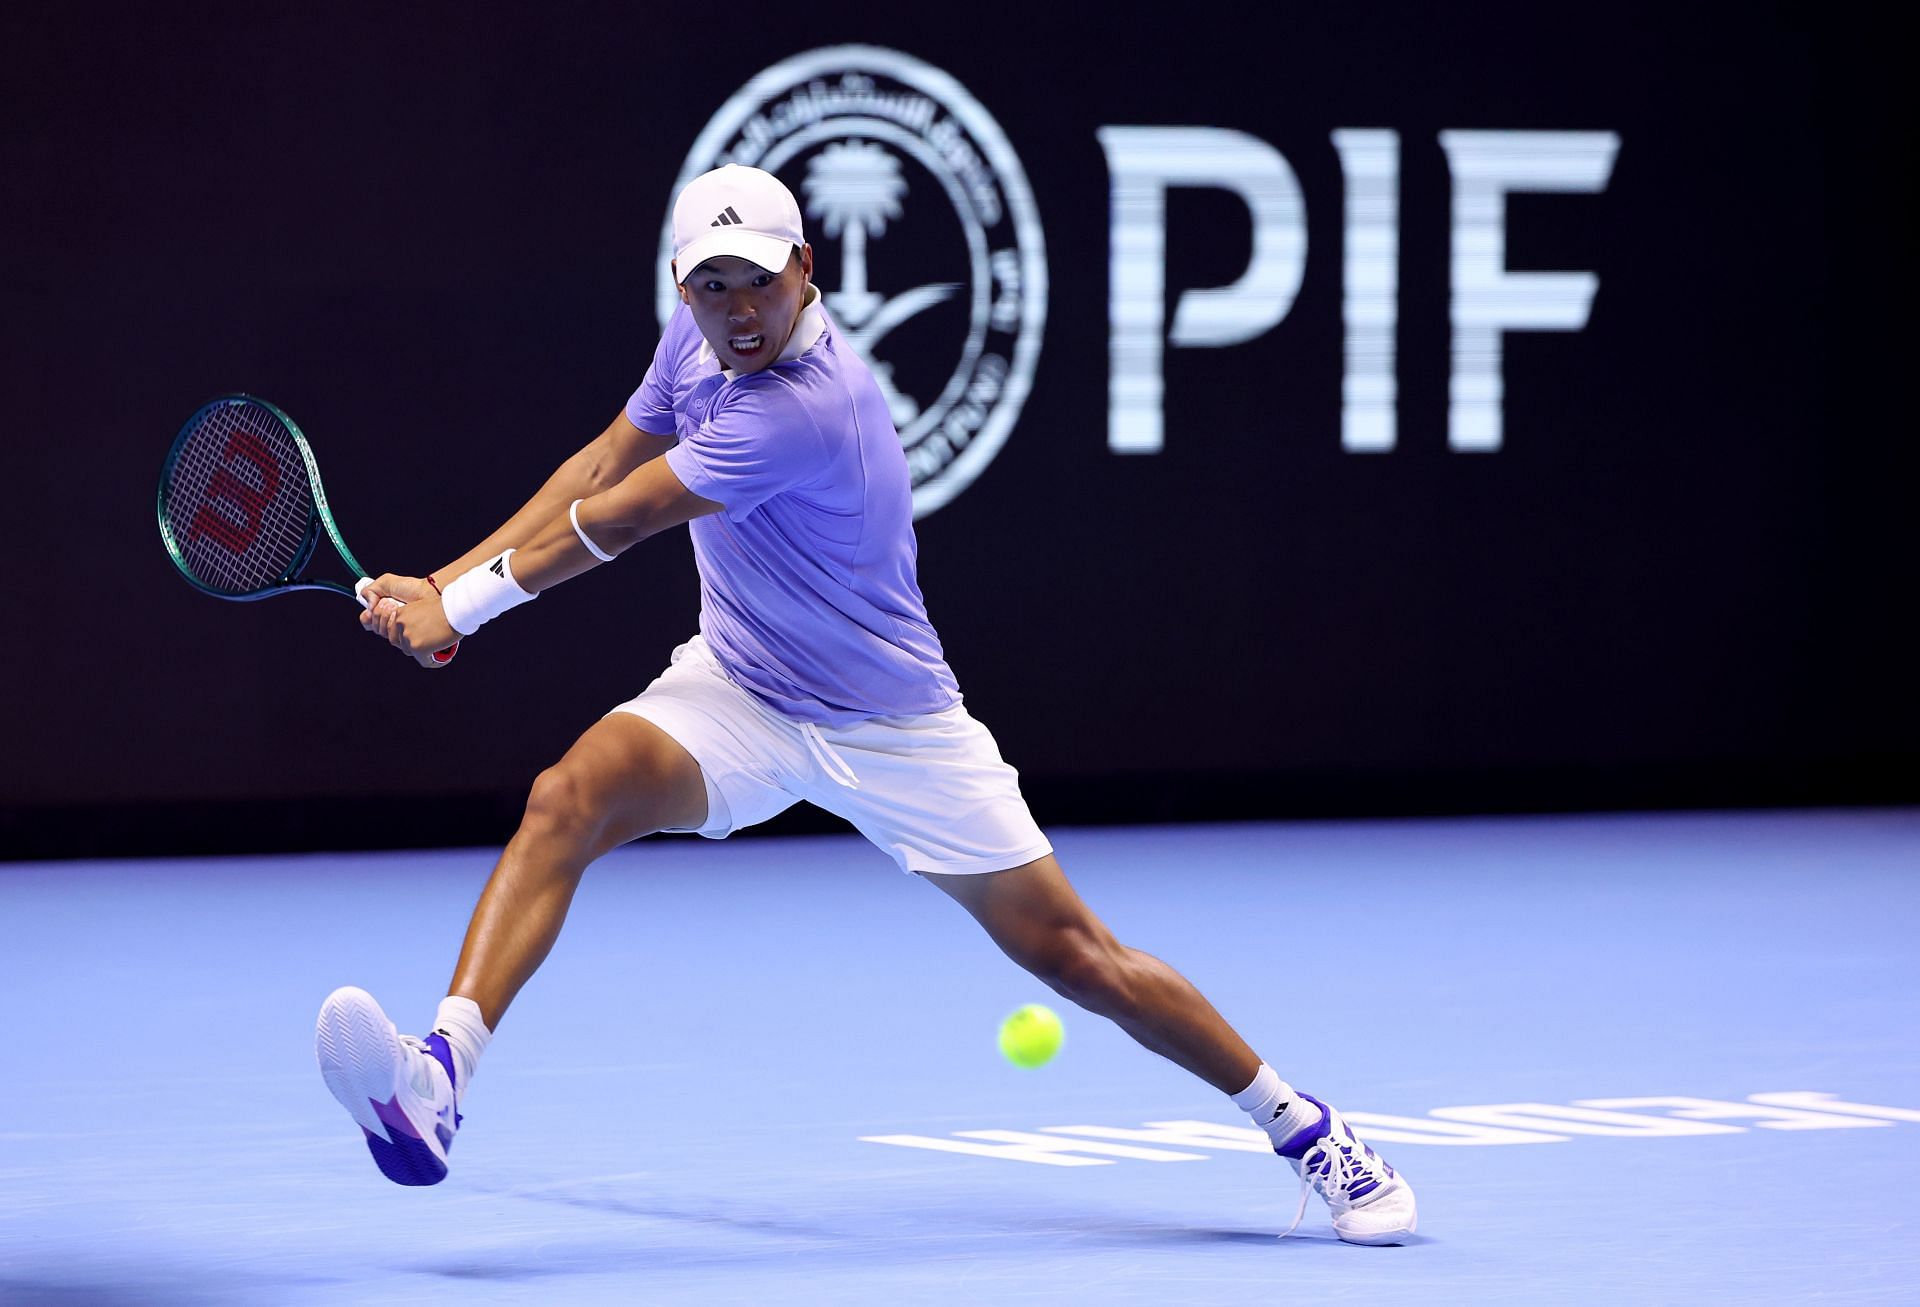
x,y
441,656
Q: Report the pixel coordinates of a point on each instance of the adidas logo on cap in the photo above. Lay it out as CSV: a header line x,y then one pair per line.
x,y
727,218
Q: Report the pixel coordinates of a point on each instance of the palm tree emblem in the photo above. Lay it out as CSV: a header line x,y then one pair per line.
x,y
854,188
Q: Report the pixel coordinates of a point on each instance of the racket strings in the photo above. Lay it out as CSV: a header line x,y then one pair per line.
x,y
238,501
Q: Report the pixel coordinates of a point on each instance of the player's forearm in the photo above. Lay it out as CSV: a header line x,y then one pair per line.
x,y
554,554
599,466
588,532
609,523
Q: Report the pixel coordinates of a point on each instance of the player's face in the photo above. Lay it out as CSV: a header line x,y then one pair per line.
x,y
745,312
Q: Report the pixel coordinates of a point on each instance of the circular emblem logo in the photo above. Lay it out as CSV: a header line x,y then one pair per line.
x,y
927,246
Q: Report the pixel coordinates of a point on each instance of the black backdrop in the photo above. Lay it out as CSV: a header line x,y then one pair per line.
x,y
430,235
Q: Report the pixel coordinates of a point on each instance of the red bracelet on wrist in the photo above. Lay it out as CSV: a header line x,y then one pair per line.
x,y
446,654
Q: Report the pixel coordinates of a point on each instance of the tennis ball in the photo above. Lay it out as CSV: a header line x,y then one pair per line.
x,y
1031,1036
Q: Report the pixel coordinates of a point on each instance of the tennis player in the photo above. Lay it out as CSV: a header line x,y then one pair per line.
x,y
815,676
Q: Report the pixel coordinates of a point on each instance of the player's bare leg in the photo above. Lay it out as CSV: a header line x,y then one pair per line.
x,y
622,779
1039,921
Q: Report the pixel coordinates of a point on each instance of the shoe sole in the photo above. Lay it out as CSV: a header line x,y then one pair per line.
x,y
360,1058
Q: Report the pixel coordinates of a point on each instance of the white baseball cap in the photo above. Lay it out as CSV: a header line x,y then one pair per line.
x,y
735,210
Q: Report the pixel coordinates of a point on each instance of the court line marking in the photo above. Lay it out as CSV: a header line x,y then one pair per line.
x,y
1478,1125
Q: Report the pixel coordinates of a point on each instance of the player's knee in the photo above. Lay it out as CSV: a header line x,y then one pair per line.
x,y
561,805
574,805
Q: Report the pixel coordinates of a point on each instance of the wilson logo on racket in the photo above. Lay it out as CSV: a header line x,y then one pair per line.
x,y
225,487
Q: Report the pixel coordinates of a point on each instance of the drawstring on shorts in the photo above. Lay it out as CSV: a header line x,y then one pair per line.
x,y
834,765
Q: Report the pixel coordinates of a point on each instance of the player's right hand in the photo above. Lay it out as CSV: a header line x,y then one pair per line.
x,y
377,617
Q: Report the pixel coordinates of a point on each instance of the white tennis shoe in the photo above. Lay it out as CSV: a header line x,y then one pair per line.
x,y
1370,1202
400,1090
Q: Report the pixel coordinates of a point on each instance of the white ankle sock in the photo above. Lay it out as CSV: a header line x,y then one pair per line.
x,y
1275,1106
460,1023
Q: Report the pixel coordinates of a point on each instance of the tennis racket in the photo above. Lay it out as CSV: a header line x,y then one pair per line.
x,y
242,510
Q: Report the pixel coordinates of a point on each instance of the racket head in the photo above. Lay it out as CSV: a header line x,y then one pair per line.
x,y
241,506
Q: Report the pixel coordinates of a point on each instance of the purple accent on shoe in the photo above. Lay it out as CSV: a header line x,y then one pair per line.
x,y
438,1046
1301,1140
394,1119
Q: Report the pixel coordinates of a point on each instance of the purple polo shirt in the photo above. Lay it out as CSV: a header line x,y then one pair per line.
x,y
808,593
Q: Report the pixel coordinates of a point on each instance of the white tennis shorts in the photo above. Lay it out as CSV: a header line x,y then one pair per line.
x,y
931,791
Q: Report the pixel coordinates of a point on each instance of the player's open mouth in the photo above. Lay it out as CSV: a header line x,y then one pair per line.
x,y
746,345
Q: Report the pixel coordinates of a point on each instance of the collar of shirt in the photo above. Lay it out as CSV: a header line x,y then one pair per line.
x,y
811,326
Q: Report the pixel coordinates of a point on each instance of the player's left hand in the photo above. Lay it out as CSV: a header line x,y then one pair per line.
x,y
407,589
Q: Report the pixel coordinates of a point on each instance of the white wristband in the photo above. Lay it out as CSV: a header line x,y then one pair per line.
x,y
573,516
482,594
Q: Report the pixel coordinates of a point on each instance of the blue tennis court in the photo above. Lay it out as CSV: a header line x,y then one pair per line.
x,y
1666,1059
